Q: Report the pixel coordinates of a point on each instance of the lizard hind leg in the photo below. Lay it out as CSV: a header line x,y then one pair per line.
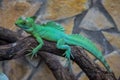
x,y
61,45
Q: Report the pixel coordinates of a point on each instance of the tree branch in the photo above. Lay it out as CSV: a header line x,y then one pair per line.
x,y
21,47
60,72
7,36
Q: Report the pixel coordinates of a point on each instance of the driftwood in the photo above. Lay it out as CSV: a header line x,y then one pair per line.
x,y
20,48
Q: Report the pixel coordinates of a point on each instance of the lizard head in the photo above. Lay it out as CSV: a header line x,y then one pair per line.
x,y
25,22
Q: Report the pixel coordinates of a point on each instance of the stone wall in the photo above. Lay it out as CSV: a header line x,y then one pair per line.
x,y
99,20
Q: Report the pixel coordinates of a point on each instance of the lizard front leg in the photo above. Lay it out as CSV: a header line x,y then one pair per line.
x,y
61,45
36,49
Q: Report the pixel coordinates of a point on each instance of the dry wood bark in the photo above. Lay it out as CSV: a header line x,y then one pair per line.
x,y
21,47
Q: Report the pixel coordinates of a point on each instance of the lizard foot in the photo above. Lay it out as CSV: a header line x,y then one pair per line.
x,y
68,62
68,55
32,53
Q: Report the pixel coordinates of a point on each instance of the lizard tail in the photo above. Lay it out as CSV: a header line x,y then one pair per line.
x,y
79,40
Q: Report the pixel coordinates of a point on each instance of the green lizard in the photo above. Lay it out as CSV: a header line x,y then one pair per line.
x,y
55,32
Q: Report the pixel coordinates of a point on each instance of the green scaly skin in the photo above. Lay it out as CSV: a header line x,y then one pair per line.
x,y
55,32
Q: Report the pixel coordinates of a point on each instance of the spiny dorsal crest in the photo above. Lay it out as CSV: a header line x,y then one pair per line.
x,y
81,37
54,25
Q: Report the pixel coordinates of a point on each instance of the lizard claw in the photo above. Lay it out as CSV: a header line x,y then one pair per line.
x,y
32,53
28,54
72,56
30,50
67,55
68,62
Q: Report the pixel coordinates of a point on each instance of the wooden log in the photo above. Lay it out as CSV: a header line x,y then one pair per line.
x,y
47,52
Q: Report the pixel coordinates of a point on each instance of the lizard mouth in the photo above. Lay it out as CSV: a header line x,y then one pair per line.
x,y
22,26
